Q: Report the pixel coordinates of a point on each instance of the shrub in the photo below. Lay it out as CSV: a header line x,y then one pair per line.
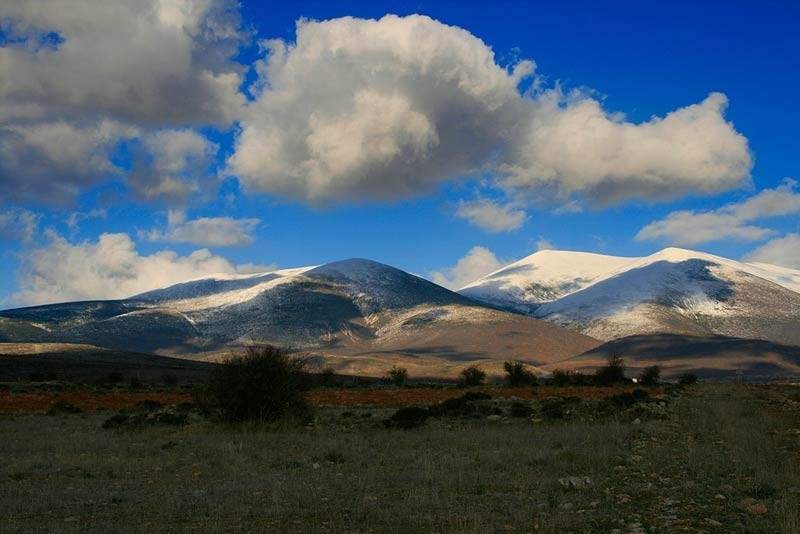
x,y
327,377
409,417
561,378
687,379
612,373
135,383
169,380
114,377
262,384
472,376
398,376
650,376
519,375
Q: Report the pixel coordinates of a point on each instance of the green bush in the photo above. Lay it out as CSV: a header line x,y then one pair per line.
x,y
687,379
517,374
612,373
398,376
650,376
472,376
409,417
262,384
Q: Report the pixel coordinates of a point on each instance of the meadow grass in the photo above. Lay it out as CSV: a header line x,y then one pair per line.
x,y
725,459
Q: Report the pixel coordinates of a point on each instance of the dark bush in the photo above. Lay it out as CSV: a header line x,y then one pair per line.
x,y
63,407
687,379
521,409
517,375
37,376
472,376
409,417
114,377
135,383
398,376
561,378
262,384
169,380
327,377
612,373
463,405
650,376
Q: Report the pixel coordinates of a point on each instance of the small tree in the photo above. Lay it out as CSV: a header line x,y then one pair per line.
x,y
612,373
472,376
398,375
262,384
517,374
327,377
650,376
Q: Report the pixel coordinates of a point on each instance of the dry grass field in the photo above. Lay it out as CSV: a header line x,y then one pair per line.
x,y
711,458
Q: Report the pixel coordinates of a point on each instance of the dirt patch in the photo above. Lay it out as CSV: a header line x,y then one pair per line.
x,y
88,400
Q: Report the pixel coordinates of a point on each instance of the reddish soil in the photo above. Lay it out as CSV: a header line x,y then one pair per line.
x,y
93,401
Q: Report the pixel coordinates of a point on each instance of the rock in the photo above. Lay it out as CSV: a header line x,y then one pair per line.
x,y
637,421
575,482
494,417
720,497
712,522
752,506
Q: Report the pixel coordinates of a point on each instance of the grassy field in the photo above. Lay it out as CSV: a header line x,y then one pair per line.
x,y
717,458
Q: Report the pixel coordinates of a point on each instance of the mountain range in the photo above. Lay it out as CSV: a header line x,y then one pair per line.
x,y
674,291
359,316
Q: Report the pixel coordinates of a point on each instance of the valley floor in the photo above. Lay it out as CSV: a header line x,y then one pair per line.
x,y
722,458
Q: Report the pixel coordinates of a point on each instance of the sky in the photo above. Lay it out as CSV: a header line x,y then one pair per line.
x,y
146,143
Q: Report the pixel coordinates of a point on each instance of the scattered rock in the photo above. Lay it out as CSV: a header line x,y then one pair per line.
x,y
752,506
575,482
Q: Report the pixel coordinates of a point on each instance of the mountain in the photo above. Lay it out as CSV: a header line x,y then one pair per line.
x,y
672,291
357,310
706,356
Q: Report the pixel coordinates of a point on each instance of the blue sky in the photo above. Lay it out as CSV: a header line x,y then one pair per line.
x,y
630,58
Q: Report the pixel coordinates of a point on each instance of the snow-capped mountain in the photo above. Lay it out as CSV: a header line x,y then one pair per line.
x,y
673,291
351,307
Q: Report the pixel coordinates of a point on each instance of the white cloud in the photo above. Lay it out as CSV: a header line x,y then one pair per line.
x,y
388,108
18,223
544,244
374,109
573,146
145,62
55,160
75,218
109,268
478,262
784,251
731,221
172,164
81,77
491,216
205,231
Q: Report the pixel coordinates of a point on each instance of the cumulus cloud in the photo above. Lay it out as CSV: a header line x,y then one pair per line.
x,y
205,231
784,251
491,216
81,77
374,109
388,108
478,262
573,146
18,223
732,221
55,160
148,61
108,268
171,165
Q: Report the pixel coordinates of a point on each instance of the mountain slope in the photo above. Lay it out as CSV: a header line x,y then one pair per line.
x,y
673,291
352,307
706,356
